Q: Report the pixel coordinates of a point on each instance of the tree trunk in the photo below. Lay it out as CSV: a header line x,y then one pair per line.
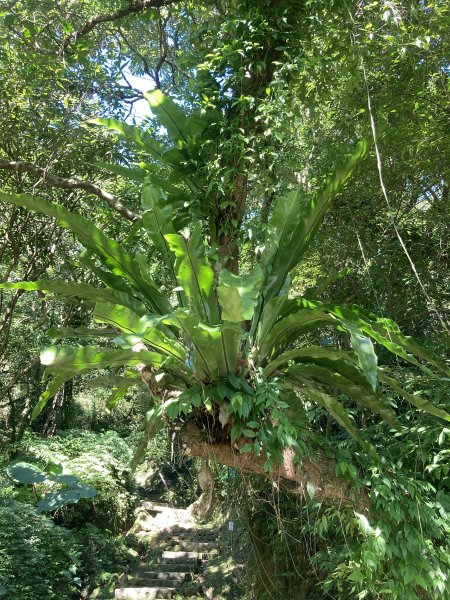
x,y
203,507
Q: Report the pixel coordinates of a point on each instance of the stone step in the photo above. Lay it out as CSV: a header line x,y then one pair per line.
x,y
179,576
181,555
171,566
145,581
174,564
193,546
143,593
188,537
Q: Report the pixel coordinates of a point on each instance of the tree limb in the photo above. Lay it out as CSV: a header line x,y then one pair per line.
x,y
72,183
135,7
319,471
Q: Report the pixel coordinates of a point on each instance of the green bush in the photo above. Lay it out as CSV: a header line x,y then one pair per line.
x,y
114,502
398,549
103,558
101,461
38,560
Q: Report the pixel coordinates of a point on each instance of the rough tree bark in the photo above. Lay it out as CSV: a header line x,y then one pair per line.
x,y
317,470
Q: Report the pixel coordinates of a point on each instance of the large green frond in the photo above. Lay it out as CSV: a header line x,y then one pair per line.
x,y
309,353
194,273
417,401
66,361
336,410
108,250
138,329
141,139
80,290
273,337
170,115
238,294
347,380
290,230
384,331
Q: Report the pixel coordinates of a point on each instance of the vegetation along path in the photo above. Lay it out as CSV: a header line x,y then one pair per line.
x,y
175,548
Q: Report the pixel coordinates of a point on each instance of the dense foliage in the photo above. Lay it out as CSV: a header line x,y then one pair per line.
x,y
401,548
177,251
82,551
29,540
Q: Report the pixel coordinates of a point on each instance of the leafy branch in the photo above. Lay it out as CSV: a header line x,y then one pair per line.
x,y
72,183
131,9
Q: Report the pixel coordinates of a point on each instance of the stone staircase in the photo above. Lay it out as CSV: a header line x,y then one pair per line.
x,y
175,548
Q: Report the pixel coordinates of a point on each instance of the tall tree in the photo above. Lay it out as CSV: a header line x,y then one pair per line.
x,y
207,168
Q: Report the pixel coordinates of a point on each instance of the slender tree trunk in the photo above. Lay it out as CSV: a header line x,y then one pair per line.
x,y
204,505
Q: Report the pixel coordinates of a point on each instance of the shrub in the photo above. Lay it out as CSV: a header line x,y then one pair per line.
x,y
38,560
104,559
101,461
113,504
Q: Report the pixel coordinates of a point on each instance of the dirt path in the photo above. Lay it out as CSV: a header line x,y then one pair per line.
x,y
176,547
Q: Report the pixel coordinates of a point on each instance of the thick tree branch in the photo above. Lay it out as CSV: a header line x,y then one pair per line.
x,y
131,9
319,471
73,183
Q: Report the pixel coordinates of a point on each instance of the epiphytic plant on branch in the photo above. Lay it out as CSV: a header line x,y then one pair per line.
x,y
226,352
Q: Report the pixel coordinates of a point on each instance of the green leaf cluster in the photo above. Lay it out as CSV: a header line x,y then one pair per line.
x,y
71,492
214,326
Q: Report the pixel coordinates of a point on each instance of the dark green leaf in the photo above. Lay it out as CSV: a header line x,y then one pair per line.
x,y
238,294
194,273
55,500
25,473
